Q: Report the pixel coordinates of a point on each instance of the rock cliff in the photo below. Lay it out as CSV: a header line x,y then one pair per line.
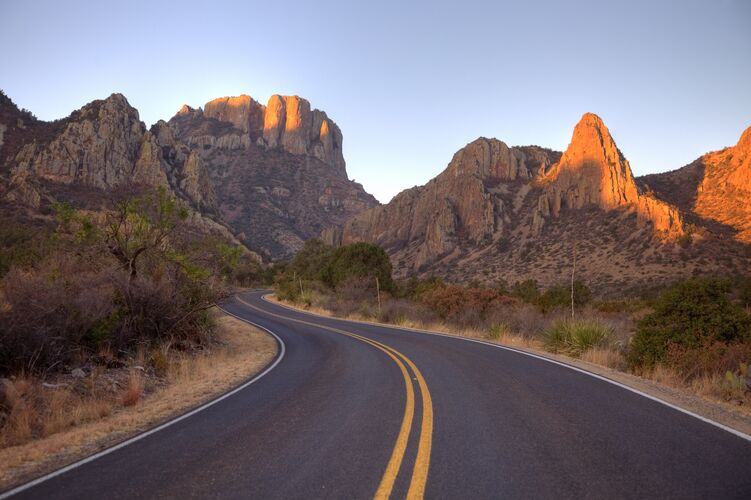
x,y
274,174
104,145
592,171
277,170
515,213
712,191
286,123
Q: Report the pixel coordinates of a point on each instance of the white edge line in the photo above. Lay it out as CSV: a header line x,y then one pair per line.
x,y
138,437
724,427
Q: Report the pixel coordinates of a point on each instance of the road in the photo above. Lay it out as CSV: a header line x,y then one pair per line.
x,y
356,411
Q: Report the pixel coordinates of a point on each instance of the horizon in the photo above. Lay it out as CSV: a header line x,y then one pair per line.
x,y
656,82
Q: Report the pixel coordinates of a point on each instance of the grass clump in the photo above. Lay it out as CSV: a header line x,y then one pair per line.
x,y
574,337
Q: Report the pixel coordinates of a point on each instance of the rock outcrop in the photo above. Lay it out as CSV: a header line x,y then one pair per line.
x,y
469,202
714,190
277,170
104,145
286,123
275,175
517,213
592,171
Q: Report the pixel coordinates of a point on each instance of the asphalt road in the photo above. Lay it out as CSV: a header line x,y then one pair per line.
x,y
356,411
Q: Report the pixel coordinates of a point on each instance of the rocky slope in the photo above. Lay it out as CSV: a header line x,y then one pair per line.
x,y
712,191
514,213
100,147
277,170
274,175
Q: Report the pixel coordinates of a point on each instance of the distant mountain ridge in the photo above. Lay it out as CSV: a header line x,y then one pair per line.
x,y
275,175
516,213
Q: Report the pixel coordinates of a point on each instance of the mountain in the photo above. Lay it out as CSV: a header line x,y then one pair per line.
x,y
713,191
517,213
277,170
100,147
272,175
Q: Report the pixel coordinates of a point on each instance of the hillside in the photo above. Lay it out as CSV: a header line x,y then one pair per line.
x,y
516,213
272,176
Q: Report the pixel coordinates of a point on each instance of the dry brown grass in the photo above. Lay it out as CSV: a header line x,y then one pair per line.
x,y
134,389
49,427
604,356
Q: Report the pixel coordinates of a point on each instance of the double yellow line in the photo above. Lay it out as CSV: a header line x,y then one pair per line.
x,y
422,461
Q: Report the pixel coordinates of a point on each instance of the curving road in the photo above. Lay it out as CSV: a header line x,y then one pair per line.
x,y
355,411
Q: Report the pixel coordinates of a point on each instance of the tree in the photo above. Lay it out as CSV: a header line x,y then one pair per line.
x,y
312,261
361,260
139,225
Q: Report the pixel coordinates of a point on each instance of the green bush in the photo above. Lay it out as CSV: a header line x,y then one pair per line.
x,y
313,261
688,315
574,337
560,297
527,291
358,261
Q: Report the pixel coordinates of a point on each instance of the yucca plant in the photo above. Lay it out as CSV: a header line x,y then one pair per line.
x,y
576,336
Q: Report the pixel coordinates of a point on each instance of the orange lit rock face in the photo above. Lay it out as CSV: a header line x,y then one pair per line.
x,y
242,111
286,122
592,171
724,194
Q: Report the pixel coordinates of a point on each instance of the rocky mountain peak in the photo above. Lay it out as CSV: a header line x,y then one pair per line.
x,y
286,123
185,110
242,111
593,166
593,171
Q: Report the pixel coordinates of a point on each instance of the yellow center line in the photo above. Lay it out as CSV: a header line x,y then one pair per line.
x,y
422,461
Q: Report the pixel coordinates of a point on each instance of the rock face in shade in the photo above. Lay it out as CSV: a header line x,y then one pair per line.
x,y
104,145
277,170
273,196
517,213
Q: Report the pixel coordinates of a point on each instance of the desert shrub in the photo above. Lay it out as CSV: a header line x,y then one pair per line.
x,y
687,316
574,337
397,311
114,282
499,330
452,301
413,287
22,243
711,357
527,290
560,297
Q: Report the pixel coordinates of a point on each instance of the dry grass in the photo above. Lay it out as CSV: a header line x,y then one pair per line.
x,y
134,389
605,356
48,427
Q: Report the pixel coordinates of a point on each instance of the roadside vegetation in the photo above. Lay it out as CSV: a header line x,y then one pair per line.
x,y
694,335
97,305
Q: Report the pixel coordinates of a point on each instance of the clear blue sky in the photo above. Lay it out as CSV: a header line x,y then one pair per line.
x,y
409,83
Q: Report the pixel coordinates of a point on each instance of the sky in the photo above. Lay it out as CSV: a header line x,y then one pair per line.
x,y
408,82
